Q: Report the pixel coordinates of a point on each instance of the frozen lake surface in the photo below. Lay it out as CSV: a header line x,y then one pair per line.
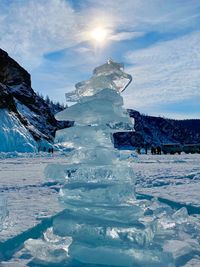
x,y
32,200
171,177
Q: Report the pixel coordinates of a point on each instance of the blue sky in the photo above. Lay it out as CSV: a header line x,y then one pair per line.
x,y
158,41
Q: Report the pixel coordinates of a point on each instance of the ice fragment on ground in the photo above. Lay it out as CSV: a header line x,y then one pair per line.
x,y
50,248
3,211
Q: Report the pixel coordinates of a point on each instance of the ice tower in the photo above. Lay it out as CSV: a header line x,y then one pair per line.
x,y
103,224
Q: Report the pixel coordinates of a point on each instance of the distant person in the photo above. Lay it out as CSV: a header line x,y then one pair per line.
x,y
138,150
153,150
49,150
146,149
52,150
158,150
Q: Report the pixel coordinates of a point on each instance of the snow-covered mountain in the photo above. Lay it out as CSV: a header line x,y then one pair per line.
x,y
156,130
22,108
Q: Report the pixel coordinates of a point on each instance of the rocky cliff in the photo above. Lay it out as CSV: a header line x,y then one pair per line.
x,y
17,95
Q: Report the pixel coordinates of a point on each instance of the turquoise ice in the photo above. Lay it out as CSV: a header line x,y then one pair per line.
x,y
3,211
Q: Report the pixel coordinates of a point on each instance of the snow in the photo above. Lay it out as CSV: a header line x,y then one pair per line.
x,y
22,184
25,111
172,177
177,192
34,120
13,135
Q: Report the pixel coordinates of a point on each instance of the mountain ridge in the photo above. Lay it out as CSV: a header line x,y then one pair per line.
x,y
152,130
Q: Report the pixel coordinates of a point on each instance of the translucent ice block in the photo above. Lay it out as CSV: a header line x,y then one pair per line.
x,y
110,75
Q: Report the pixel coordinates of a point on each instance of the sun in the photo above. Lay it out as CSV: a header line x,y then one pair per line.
x,y
99,34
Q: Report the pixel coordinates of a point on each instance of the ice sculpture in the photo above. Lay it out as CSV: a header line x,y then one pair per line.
x,y
103,224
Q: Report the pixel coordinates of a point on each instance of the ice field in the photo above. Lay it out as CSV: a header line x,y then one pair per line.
x,y
116,209
32,200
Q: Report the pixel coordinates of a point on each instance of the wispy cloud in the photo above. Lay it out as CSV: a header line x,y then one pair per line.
x,y
121,36
31,28
166,72
158,15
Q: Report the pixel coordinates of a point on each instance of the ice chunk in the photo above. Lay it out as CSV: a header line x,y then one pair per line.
x,y
109,75
90,112
180,248
106,256
3,211
50,248
89,135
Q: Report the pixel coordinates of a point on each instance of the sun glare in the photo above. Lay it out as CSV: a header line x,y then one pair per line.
x,y
99,35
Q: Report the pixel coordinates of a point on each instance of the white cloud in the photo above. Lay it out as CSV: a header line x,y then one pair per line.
x,y
125,36
165,73
142,15
29,28
33,28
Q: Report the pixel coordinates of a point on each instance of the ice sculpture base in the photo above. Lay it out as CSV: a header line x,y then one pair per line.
x,y
100,256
